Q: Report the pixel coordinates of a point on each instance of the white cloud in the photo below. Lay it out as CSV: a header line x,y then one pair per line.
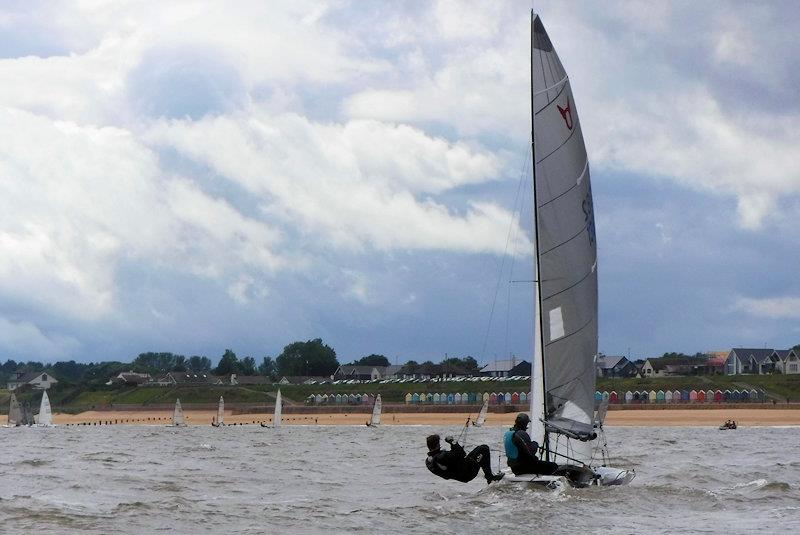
x,y
76,201
771,307
23,339
364,183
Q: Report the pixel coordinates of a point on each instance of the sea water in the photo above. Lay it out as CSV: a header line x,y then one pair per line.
x,y
329,479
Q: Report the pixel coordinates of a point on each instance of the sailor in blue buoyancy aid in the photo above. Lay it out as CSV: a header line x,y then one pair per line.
x,y
521,450
458,465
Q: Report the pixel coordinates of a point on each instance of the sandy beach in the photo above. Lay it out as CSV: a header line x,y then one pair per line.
x,y
663,417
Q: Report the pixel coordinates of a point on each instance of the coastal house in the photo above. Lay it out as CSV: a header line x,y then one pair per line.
x,y
608,366
745,360
716,361
506,368
38,380
365,373
188,378
304,380
130,378
236,379
786,361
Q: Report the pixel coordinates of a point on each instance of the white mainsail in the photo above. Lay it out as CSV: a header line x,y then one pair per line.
x,y
178,419
276,419
221,411
563,376
482,415
45,413
376,412
14,412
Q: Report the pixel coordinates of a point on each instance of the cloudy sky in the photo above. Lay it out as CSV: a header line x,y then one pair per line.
x,y
189,177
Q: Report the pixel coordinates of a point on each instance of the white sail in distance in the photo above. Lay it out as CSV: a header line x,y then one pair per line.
x,y
178,419
376,411
221,411
563,379
14,412
482,415
276,419
45,413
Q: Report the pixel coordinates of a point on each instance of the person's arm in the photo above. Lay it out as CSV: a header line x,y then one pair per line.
x,y
523,442
456,448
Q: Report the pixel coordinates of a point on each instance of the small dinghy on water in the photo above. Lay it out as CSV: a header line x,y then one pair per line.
x,y
178,420
563,419
220,420
278,416
479,421
375,420
45,417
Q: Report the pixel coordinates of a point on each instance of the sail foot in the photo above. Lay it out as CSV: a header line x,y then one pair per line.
x,y
571,428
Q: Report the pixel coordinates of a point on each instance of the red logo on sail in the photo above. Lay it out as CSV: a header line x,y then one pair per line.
x,y
566,114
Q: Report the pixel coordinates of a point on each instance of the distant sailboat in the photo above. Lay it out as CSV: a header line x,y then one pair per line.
x,y
220,414
277,417
178,419
15,417
45,413
376,413
481,415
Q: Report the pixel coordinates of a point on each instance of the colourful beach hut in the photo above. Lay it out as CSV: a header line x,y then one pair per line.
x,y
684,395
501,398
661,396
726,395
515,398
324,399
629,397
493,398
693,395
464,397
318,399
701,396
523,397
718,396
605,395
745,396
472,398
637,397
598,397
736,395
710,395
676,396
451,399
436,398
457,398
613,397
651,397
754,395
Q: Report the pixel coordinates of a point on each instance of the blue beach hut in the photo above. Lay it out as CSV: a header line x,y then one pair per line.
x,y
661,397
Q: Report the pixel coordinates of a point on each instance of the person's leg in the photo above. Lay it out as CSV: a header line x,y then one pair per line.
x,y
481,455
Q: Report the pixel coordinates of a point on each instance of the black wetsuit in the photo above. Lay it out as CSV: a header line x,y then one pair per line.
x,y
456,464
525,461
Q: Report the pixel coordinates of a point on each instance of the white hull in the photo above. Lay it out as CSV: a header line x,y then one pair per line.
x,y
606,476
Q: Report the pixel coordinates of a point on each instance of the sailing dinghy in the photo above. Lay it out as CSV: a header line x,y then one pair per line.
x,y
178,420
278,416
563,419
45,418
220,421
15,418
375,420
481,415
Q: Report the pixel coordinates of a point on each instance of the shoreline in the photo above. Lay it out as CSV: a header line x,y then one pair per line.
x,y
663,417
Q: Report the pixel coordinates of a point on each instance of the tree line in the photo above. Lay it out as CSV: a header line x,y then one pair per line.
x,y
308,358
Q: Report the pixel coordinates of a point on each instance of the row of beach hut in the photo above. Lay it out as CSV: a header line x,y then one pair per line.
x,y
497,398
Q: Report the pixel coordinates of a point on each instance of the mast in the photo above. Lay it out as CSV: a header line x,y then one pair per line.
x,y
538,432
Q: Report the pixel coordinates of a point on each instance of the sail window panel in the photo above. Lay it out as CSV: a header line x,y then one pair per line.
x,y
577,305
566,217
556,323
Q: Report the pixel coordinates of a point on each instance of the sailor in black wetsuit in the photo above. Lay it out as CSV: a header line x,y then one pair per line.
x,y
521,450
457,464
